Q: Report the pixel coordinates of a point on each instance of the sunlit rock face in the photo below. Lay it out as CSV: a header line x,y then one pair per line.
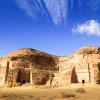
x,y
81,67
33,67
27,66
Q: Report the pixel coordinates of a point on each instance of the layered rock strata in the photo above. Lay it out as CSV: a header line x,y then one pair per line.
x,y
33,67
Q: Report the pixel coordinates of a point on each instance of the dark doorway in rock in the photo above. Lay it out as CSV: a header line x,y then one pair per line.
x,y
74,76
83,81
24,81
18,76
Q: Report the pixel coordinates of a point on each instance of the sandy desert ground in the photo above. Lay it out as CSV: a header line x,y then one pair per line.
x,y
90,92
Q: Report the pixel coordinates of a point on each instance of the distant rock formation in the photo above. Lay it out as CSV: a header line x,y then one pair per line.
x,y
33,67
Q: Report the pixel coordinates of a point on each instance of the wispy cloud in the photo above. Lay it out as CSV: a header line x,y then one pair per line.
x,y
57,9
30,7
90,4
93,4
91,27
54,10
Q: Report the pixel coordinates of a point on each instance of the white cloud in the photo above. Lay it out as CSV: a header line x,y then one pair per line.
x,y
91,27
93,4
28,6
55,10
90,4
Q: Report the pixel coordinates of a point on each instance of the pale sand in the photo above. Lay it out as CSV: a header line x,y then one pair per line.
x,y
92,92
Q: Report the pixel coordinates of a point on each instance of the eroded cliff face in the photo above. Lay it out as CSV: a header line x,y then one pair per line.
x,y
28,66
38,68
82,66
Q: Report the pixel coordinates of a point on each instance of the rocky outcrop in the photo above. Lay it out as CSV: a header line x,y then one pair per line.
x,y
27,66
84,64
39,68
89,50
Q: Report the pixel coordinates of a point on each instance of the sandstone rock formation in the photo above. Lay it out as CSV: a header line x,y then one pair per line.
x,y
33,67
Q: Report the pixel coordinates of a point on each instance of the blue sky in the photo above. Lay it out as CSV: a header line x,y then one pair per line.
x,y
58,27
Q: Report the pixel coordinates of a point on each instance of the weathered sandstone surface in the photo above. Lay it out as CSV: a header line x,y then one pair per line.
x,y
33,67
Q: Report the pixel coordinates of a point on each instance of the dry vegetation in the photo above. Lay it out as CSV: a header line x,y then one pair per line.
x,y
30,93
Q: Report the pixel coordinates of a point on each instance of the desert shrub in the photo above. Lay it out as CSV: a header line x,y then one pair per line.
x,y
98,82
49,98
80,90
66,95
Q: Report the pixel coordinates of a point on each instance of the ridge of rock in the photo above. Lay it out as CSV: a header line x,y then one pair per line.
x,y
39,68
